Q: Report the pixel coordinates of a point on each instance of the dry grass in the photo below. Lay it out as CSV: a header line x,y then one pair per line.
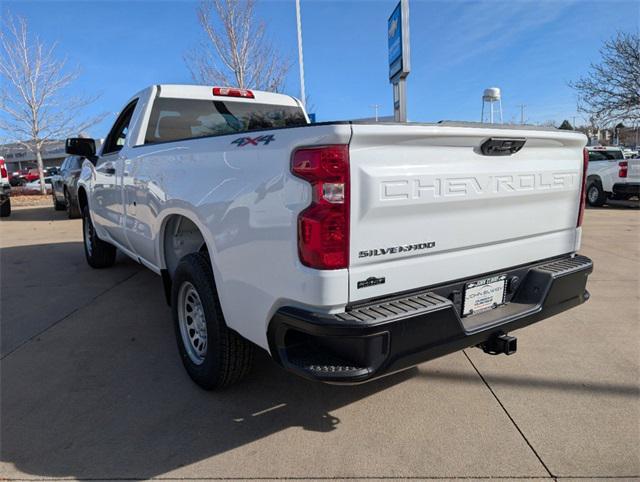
x,y
30,200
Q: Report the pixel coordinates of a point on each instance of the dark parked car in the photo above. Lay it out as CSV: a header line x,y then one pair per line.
x,y
65,186
16,179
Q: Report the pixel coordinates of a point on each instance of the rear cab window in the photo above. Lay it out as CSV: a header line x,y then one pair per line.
x,y
178,119
605,155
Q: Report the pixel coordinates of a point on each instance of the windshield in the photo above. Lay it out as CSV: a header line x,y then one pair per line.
x,y
174,119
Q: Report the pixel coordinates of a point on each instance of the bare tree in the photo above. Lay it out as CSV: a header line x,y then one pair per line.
x,y
611,90
35,107
236,51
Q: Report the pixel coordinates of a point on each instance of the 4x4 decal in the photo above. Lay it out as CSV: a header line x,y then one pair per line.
x,y
253,141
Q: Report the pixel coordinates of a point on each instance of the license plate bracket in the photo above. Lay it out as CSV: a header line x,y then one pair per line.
x,y
484,294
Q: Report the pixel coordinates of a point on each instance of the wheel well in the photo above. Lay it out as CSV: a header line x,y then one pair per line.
x,y
82,198
180,237
594,178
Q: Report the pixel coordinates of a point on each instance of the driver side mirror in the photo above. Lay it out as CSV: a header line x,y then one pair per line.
x,y
81,146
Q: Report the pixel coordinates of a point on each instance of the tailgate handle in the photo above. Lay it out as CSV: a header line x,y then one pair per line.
x,y
501,146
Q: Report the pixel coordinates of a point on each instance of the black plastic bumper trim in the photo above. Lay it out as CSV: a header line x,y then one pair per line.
x,y
390,335
629,188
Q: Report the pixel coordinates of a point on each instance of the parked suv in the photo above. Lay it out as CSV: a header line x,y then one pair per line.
x,y
65,186
611,176
5,190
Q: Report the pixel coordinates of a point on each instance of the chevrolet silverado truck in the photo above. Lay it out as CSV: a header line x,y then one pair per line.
x,y
346,250
611,176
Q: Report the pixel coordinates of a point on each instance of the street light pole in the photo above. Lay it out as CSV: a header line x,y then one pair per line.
x,y
522,108
375,107
300,59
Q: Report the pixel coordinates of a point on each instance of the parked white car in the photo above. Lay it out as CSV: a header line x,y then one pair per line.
x,y
611,176
345,250
35,185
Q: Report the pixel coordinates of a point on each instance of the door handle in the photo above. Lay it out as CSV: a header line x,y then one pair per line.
x,y
107,168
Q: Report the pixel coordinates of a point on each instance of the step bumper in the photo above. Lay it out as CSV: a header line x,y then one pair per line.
x,y
382,337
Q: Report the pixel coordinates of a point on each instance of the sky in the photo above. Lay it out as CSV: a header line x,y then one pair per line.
x,y
530,49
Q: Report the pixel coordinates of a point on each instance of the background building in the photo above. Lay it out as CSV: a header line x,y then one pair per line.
x,y
18,156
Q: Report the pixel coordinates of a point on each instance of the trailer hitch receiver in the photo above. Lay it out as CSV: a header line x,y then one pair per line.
x,y
500,344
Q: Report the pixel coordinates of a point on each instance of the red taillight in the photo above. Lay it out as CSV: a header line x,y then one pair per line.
x,y
231,92
623,168
323,227
583,193
3,170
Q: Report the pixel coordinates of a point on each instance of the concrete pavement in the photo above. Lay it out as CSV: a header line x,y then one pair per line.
x,y
92,387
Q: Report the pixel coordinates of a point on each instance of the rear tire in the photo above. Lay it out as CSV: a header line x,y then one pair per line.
x,y
99,254
5,209
596,196
57,205
73,210
213,355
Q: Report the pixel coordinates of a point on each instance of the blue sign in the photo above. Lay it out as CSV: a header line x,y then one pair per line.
x,y
394,32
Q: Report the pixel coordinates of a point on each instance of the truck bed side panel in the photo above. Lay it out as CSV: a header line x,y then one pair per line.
x,y
246,203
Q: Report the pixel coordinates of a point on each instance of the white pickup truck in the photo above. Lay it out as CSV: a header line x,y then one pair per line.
x,y
611,176
346,250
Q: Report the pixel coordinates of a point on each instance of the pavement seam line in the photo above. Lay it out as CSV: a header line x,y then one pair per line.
x,y
75,310
508,414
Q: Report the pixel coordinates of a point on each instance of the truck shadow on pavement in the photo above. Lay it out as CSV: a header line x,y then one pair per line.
x,y
42,284
101,393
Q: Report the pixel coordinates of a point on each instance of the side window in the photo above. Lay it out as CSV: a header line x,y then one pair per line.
x,y
116,138
75,163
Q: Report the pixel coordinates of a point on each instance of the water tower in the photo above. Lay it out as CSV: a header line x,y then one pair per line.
x,y
490,98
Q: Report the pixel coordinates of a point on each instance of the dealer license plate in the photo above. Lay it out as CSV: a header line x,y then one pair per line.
x,y
484,294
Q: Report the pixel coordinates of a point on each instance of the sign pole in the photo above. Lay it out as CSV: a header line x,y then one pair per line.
x,y
399,58
400,100
303,97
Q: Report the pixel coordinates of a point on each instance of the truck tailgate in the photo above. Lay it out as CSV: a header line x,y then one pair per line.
x,y
633,170
427,207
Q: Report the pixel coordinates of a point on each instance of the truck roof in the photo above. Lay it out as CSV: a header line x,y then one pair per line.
x,y
204,92
603,148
